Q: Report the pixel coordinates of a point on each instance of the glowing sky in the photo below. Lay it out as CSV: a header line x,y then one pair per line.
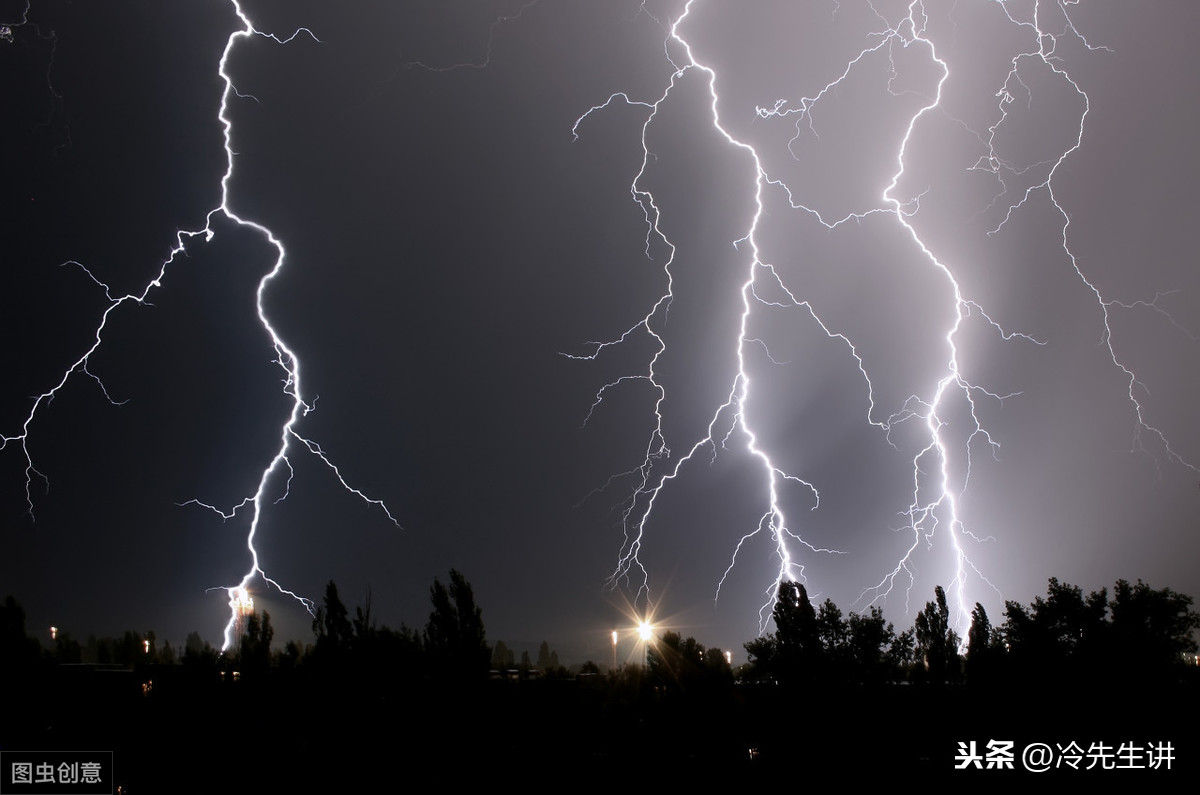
x,y
451,232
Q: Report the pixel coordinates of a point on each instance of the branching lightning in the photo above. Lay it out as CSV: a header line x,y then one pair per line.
x,y
941,467
286,359
1046,54
945,414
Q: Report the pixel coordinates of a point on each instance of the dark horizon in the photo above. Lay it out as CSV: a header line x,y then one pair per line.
x,y
1099,680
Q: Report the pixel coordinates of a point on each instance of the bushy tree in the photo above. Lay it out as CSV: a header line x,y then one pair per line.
x,y
454,636
833,633
374,652
502,656
679,663
1061,633
1151,629
869,637
198,654
17,651
980,634
332,625
762,654
984,652
902,653
797,634
803,643
937,643
255,644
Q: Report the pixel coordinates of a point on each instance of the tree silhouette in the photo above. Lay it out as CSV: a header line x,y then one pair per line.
x,y
980,634
937,644
17,651
797,634
902,653
547,659
794,651
332,624
683,664
1151,629
255,645
1057,633
198,654
832,630
454,636
502,656
869,639
983,653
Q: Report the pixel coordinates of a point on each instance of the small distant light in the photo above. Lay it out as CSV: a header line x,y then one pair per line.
x,y
729,657
146,646
53,633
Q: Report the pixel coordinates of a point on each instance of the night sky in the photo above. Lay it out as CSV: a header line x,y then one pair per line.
x,y
457,248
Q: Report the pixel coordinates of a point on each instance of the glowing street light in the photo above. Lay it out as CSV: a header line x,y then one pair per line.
x,y
645,632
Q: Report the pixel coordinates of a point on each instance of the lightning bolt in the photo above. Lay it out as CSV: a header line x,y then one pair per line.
x,y
942,463
1046,55
943,415
274,482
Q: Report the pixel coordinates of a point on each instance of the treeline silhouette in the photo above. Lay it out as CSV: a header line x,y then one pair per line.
x,y
814,693
1138,634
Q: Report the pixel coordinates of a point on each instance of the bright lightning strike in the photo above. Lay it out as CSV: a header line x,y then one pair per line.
x,y
885,90
941,466
275,480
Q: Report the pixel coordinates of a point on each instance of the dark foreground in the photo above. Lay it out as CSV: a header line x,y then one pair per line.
x,y
175,730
